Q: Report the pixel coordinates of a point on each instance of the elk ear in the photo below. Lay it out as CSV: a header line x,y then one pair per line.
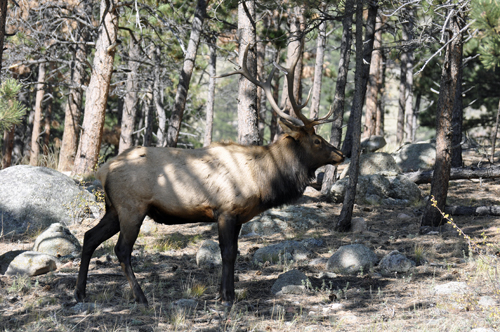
x,y
289,128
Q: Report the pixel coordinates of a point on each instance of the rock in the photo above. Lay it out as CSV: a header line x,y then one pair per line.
x,y
453,287
377,189
291,282
149,226
184,304
284,220
317,262
209,254
395,262
57,241
35,197
373,143
352,259
482,329
487,301
358,225
313,243
412,157
32,263
375,163
403,216
83,307
7,258
284,252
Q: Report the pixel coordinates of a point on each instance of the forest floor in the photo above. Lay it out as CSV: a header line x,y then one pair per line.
x,y
166,268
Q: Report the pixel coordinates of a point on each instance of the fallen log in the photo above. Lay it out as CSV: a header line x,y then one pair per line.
x,y
473,210
456,173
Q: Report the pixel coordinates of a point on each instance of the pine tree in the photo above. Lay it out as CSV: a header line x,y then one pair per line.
x,y
11,110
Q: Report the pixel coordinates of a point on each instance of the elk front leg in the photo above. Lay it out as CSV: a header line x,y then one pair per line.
x,y
106,228
229,230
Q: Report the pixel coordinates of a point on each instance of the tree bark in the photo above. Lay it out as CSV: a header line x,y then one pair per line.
x,y
131,97
344,221
248,119
367,53
402,99
8,145
339,97
449,79
318,71
37,122
157,99
261,99
185,75
457,121
373,88
96,95
379,127
494,140
473,210
409,111
212,69
46,124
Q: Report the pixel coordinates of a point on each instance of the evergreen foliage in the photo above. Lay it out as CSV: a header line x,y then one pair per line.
x,y
11,110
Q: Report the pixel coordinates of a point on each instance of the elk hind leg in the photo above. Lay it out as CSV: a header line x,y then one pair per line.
x,y
106,228
123,250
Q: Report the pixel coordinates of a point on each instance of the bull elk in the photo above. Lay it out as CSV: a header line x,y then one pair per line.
x,y
225,183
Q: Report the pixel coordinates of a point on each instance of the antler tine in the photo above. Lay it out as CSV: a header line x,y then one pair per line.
x,y
266,86
324,119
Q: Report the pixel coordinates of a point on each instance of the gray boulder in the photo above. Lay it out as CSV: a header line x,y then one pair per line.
x,y
291,282
395,262
285,251
375,163
57,241
377,189
352,259
35,197
412,157
373,143
32,263
209,254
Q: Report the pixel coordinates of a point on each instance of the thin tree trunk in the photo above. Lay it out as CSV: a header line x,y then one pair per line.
x,y
339,97
73,108
456,173
274,127
8,145
46,124
494,141
379,127
131,98
318,71
407,33
158,102
185,75
294,49
373,88
367,54
37,122
402,100
456,123
212,69
96,95
148,117
248,119
3,20
261,99
344,221
447,92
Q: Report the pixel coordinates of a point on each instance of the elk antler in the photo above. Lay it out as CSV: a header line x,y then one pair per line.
x,y
301,119
266,86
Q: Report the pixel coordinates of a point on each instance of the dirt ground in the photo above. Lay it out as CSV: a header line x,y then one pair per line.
x,y
166,268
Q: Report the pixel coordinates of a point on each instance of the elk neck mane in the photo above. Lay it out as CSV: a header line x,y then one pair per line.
x,y
284,174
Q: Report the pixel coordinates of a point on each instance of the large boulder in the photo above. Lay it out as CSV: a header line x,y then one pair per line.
x,y
57,241
284,251
209,254
377,189
412,157
31,263
373,143
395,262
35,197
291,282
375,163
351,259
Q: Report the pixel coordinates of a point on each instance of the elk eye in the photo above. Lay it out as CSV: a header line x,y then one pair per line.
x,y
317,141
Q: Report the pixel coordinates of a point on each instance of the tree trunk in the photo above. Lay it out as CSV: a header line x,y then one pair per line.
x,y
494,141
248,119
274,127
294,49
96,95
185,75
373,88
212,66
367,54
407,33
158,102
447,92
344,221
456,173
8,145
402,100
318,71
3,20
339,97
457,121
148,116
37,122
131,97
379,127
261,99
46,124
473,210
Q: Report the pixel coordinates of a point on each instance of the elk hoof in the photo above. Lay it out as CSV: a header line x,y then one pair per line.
x,y
79,296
